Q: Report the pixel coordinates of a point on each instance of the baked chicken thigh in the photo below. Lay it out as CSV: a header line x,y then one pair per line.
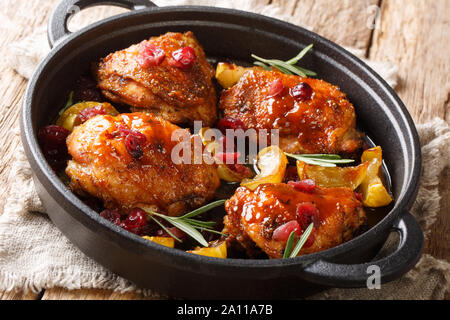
x,y
126,162
312,115
167,75
265,217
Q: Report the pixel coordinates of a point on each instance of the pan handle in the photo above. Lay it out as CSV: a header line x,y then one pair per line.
x,y
391,267
57,27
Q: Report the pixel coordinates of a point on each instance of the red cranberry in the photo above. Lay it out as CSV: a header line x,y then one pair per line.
x,y
230,123
177,232
183,58
276,88
283,232
135,221
291,174
150,55
53,136
230,157
307,212
358,196
86,90
88,113
111,215
134,141
307,186
240,169
52,139
133,146
174,230
302,92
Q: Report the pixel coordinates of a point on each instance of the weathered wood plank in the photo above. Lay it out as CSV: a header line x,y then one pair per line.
x,y
438,244
12,295
12,87
16,22
91,294
414,35
346,22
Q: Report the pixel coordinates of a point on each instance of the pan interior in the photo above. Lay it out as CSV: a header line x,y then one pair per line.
x,y
228,36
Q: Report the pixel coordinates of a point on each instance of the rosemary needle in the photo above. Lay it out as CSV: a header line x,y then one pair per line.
x,y
289,66
187,224
292,253
323,160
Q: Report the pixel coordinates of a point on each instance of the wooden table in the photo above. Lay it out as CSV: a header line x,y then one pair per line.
x,y
413,34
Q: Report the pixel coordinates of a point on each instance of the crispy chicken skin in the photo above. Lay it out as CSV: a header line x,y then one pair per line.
x,y
323,124
103,167
252,216
177,95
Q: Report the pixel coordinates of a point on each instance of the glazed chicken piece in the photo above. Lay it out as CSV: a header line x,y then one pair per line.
x,y
167,75
126,162
312,115
266,216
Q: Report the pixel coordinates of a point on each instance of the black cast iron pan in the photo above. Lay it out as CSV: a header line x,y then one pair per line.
x,y
232,34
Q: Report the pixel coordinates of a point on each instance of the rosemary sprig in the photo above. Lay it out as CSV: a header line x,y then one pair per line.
x,y
323,160
288,253
164,228
187,224
288,67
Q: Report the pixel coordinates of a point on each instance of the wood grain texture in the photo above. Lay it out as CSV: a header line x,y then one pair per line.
x,y
90,294
12,295
346,22
411,34
418,44
414,35
439,243
14,15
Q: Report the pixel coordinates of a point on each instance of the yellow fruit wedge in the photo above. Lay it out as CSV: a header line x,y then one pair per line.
x,y
272,164
68,118
228,74
374,193
164,241
219,251
333,177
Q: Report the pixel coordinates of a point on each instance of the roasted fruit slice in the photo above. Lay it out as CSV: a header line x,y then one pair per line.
x,y
80,112
366,177
215,251
228,74
272,164
333,177
164,241
374,193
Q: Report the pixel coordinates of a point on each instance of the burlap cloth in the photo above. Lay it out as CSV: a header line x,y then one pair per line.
x,y
34,255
